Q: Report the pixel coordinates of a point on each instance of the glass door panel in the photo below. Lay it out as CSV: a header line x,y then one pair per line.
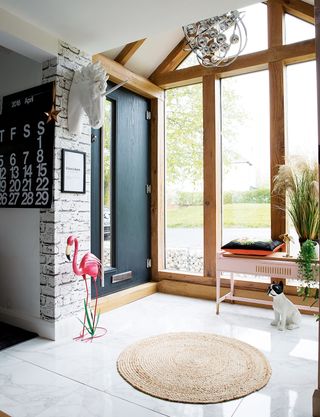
x,y
107,185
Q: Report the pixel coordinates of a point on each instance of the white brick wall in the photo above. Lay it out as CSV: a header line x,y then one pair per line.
x,y
62,293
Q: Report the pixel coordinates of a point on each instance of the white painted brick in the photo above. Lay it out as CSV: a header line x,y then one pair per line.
x,y
48,249
62,292
46,290
46,216
68,277
48,269
67,73
65,268
67,310
48,227
47,313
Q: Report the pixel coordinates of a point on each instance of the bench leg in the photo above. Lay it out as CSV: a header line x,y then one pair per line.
x,y
217,292
232,285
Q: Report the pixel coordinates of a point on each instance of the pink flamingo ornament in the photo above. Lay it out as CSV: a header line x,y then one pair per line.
x,y
89,265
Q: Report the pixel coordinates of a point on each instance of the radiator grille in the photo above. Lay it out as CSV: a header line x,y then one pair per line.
x,y
274,270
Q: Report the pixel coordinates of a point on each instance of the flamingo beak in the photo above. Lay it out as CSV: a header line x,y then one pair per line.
x,y
68,252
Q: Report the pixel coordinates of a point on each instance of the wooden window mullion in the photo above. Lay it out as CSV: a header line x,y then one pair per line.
x,y
277,115
211,196
157,187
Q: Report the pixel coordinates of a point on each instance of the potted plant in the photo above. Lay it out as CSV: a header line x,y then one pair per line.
x,y
298,181
308,271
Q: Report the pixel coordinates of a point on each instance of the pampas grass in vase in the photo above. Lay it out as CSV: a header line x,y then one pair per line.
x,y
298,181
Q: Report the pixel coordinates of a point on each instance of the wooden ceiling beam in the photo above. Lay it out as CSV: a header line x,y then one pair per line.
x,y
126,53
135,82
173,60
299,51
276,24
299,9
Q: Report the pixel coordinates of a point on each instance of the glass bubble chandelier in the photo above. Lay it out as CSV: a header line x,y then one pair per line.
x,y
219,40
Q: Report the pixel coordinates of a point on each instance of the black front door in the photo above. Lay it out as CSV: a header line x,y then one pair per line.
x,y
120,219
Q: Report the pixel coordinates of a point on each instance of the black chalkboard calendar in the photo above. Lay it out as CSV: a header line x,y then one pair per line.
x,y
26,148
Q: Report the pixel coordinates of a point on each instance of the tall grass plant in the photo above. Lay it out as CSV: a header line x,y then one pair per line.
x,y
298,182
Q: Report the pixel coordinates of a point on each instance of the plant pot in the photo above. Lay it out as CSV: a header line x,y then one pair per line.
x,y
302,240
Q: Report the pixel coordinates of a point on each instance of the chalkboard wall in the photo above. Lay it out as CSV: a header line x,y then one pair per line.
x,y
26,148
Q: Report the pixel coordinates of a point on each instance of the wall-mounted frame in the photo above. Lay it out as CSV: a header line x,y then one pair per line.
x,y
73,174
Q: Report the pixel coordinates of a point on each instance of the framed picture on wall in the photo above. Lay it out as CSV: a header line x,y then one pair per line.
x,y
73,176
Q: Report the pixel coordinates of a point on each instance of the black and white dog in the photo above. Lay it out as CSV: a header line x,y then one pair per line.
x,y
286,313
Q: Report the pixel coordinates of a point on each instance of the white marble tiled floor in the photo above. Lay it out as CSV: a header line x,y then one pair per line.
x,y
74,379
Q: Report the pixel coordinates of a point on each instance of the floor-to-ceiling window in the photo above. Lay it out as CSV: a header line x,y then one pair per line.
x,y
245,157
184,179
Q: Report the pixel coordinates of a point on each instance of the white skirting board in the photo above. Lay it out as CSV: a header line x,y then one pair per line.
x,y
34,324
61,329
68,328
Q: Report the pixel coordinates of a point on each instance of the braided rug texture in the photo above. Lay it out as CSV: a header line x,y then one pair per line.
x,y
194,367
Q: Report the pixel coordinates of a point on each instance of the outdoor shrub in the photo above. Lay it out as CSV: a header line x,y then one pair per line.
x,y
259,195
186,198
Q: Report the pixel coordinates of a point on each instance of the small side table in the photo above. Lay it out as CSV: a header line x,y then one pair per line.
x,y
275,265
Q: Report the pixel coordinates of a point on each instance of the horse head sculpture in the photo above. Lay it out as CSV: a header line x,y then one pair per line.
x,y
87,95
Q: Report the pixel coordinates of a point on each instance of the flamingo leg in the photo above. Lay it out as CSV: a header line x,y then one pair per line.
x,y
87,296
81,336
102,330
95,306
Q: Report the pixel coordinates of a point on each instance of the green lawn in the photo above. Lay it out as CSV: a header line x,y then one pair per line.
x,y
235,215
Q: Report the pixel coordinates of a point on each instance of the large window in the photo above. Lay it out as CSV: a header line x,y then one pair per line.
x,y
245,157
184,179
238,97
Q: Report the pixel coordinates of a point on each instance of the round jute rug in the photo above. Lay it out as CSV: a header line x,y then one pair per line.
x,y
194,367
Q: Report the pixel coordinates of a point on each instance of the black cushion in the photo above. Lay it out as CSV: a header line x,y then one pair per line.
x,y
245,243
246,246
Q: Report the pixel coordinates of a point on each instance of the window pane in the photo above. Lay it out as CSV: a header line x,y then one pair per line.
x,y
301,118
297,30
184,179
190,61
255,21
245,157
107,142
302,109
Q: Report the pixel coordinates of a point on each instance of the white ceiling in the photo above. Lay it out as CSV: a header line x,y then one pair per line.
x,y
33,27
99,25
153,51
